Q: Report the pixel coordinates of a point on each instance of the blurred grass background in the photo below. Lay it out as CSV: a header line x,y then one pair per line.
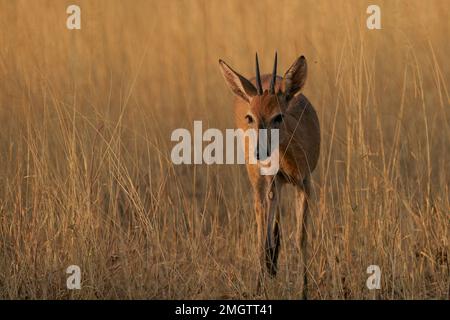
x,y
86,177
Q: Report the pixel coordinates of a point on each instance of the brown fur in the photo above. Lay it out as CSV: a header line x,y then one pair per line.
x,y
299,132
299,138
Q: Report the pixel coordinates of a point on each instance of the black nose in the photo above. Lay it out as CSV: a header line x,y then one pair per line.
x,y
258,157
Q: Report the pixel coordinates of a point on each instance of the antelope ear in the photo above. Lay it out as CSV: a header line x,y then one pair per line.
x,y
237,83
294,79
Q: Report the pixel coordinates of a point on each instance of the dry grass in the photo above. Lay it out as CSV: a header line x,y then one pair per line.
x,y
86,176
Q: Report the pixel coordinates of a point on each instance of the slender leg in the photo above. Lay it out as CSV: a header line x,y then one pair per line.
x,y
273,251
259,213
303,192
272,227
267,217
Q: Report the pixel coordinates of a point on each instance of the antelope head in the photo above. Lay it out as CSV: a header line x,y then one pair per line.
x,y
267,109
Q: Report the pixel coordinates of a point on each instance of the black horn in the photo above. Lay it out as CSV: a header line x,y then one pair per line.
x,y
258,78
274,76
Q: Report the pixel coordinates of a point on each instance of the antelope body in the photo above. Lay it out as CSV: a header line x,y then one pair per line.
x,y
273,102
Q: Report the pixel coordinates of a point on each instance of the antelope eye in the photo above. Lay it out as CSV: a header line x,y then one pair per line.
x,y
249,119
278,118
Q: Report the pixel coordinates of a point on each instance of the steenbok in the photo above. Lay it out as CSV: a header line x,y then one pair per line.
x,y
271,102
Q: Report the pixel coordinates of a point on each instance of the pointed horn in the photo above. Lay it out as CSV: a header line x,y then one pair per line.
x,y
274,76
258,78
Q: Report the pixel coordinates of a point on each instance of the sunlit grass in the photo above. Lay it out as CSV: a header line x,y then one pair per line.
x,y
86,176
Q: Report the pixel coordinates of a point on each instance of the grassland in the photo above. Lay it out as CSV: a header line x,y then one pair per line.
x,y
86,176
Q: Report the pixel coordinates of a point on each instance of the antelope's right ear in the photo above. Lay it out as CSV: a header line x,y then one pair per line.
x,y
295,78
237,83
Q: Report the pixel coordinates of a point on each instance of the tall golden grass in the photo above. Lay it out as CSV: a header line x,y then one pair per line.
x,y
86,175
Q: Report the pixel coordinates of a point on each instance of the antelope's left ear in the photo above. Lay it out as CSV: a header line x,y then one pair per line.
x,y
237,83
294,79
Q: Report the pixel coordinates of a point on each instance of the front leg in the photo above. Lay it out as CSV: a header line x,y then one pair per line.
x,y
302,198
267,209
